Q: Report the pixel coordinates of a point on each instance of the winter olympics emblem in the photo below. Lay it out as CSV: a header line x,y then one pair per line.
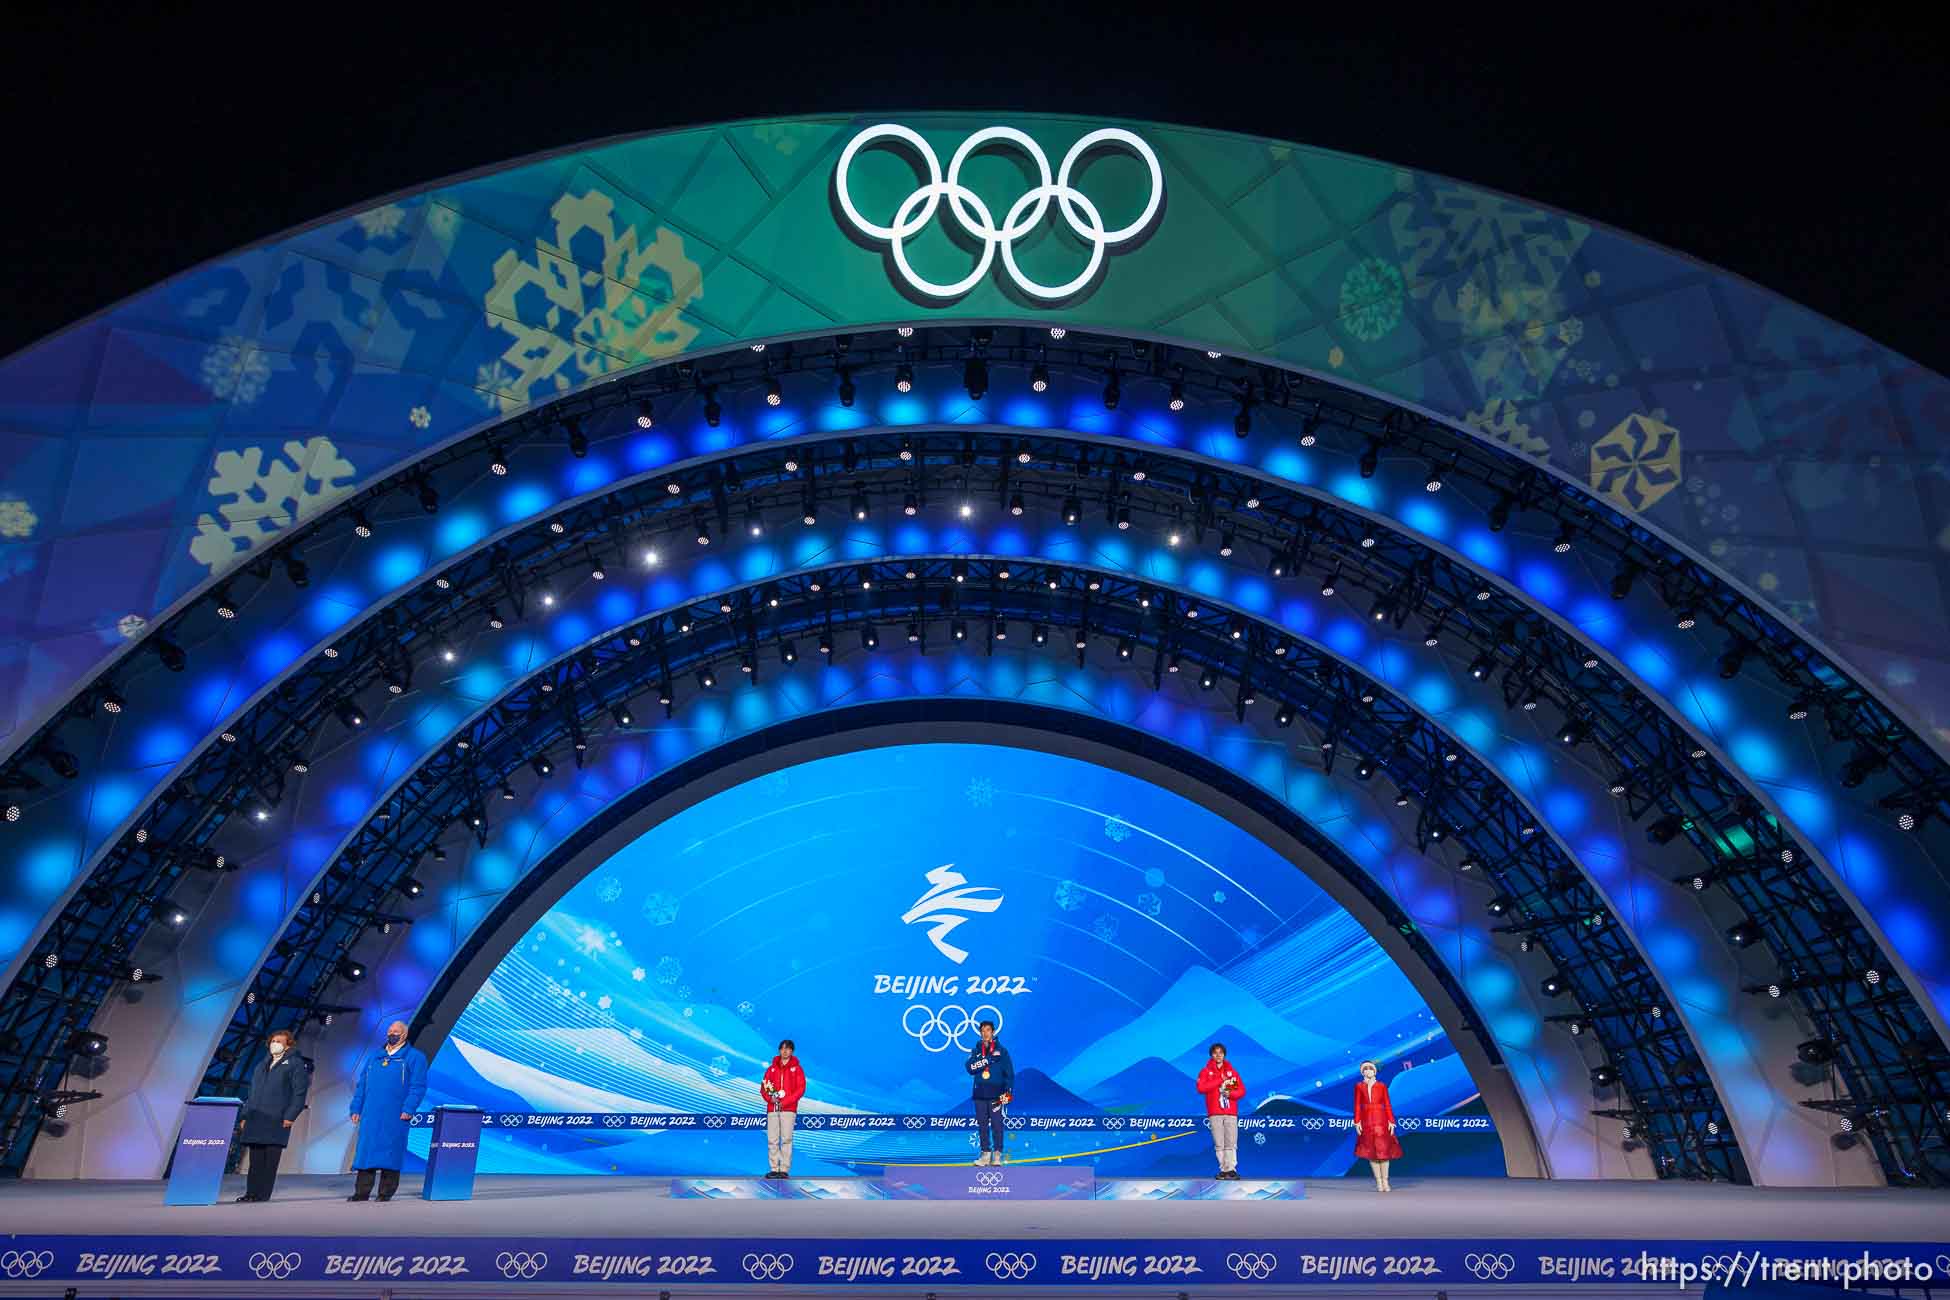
x,y
973,218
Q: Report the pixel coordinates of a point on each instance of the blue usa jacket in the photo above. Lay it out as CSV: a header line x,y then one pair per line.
x,y
1002,1070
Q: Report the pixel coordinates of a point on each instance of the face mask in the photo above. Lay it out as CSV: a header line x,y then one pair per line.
x,y
277,1049
394,1040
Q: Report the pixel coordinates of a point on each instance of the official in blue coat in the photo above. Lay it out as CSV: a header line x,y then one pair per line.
x,y
391,1084
277,1098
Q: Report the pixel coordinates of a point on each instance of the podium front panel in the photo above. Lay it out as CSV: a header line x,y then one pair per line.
x,y
202,1151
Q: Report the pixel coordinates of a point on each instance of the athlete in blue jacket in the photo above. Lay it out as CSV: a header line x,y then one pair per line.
x,y
994,1075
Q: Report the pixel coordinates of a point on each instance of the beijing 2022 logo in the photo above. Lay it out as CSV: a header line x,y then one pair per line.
x,y
972,220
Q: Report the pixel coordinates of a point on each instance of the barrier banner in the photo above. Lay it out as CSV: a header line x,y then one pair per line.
x,y
1041,1262
854,1122
202,1149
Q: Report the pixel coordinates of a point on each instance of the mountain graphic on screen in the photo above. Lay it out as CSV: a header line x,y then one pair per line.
x,y
1199,1007
1151,1087
1036,1094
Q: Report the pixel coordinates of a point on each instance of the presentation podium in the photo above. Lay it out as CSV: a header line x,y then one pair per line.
x,y
202,1150
452,1153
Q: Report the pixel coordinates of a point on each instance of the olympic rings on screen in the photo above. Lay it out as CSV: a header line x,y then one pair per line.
x,y
16,1264
978,222
767,1267
990,1178
275,1265
949,1027
521,1264
1011,1265
1252,1265
1490,1268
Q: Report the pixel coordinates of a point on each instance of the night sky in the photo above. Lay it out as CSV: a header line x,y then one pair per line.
x,y
1803,153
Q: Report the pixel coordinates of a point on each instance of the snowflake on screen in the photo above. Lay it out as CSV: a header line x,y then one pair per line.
x,y
981,791
638,974
381,223
267,494
659,908
610,890
1104,926
1155,878
1150,904
603,1002
1117,829
1069,895
746,1009
1218,895
496,385
131,625
669,970
235,369
17,518
590,942
683,993
1371,299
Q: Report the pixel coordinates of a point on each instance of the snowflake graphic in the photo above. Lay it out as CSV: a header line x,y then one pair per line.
x,y
1069,895
603,1002
571,323
1637,463
267,494
689,1012
637,973
235,369
1150,904
1117,829
1371,299
746,1009
131,625
981,791
420,416
669,970
1155,878
1259,1139
1218,895
683,993
1249,937
610,890
17,518
1569,331
381,223
659,908
496,385
1104,926
783,138
1501,420
590,942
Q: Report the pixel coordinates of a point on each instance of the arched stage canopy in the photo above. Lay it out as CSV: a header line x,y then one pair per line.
x,y
1581,606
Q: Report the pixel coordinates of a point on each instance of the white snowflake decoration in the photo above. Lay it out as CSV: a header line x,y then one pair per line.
x,y
381,223
267,495
746,1009
17,518
659,908
496,385
1150,904
590,942
610,890
669,970
420,416
1117,829
131,625
638,974
1069,895
683,993
981,791
721,1065
603,1002
235,370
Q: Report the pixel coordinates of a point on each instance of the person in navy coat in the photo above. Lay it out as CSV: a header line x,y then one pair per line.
x,y
277,1098
391,1084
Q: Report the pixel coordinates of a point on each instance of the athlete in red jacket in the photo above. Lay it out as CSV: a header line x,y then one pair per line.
x,y
782,1087
1222,1088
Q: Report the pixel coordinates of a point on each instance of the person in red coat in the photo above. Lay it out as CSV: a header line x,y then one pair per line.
x,y
1374,1125
782,1087
1222,1088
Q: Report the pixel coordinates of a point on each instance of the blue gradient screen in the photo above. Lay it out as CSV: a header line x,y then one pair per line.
x,y
872,907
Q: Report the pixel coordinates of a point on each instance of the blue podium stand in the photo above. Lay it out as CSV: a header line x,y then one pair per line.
x,y
202,1150
452,1153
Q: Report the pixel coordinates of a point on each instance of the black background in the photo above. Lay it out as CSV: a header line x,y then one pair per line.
x,y
1800,148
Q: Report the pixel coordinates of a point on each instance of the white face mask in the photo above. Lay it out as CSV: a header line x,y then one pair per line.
x,y
277,1049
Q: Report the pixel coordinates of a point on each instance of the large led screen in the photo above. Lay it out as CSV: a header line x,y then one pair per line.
x,y
872,907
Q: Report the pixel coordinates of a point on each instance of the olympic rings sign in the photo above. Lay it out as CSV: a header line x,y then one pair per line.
x,y
767,1267
275,1265
1252,1265
25,1263
1490,1267
521,1265
978,222
989,1178
1011,1265
949,1027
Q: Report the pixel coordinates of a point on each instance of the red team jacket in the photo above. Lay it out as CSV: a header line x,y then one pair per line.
x,y
1373,1113
1209,1080
788,1078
